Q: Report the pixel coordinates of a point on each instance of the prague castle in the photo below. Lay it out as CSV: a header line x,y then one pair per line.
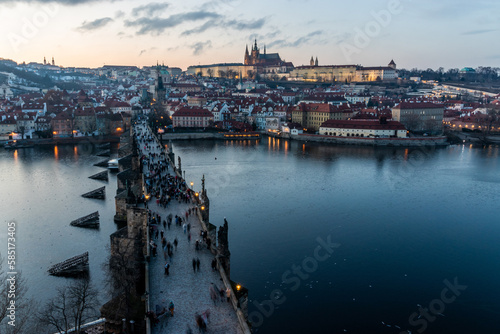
x,y
271,65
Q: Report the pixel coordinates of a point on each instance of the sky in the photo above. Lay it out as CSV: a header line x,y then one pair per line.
x,y
92,33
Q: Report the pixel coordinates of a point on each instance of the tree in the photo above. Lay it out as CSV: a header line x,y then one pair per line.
x,y
433,126
210,72
231,74
22,130
124,276
72,307
251,74
413,122
25,307
222,74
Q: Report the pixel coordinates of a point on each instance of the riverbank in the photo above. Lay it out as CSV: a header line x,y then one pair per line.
x,y
67,141
211,135
401,142
362,141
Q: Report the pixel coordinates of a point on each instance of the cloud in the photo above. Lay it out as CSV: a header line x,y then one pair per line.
x,y
269,35
477,32
220,4
96,24
119,14
231,24
242,25
199,47
150,9
296,43
158,25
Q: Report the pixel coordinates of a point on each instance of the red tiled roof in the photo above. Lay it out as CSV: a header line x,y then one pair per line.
x,y
190,112
417,105
362,124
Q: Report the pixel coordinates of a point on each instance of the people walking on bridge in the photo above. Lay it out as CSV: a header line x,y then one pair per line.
x,y
167,268
213,293
171,308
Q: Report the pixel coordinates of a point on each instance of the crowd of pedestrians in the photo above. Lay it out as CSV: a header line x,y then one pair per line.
x,y
172,216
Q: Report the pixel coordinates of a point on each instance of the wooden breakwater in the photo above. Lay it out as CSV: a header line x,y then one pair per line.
x,y
71,267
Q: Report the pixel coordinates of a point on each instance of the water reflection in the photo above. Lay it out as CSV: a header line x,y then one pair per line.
x,y
56,152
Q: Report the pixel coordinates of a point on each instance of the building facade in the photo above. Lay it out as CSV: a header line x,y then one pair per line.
x,y
363,128
420,117
191,117
312,115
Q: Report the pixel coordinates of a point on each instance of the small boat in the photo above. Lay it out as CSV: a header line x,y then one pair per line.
x,y
14,145
113,164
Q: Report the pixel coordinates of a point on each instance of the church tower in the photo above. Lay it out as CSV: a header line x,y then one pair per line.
x,y
392,64
255,54
160,89
316,62
53,62
311,62
247,57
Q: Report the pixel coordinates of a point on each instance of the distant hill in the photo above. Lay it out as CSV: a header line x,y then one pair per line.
x,y
37,80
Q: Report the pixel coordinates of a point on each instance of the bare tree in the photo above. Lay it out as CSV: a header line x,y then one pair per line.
x,y
413,122
210,72
24,306
72,307
22,129
251,75
124,274
433,126
222,74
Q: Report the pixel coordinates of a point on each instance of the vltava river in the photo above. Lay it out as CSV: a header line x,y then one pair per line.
x,y
405,220
351,239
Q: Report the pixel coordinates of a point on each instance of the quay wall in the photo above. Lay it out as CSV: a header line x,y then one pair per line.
x,y
210,135
402,142
190,136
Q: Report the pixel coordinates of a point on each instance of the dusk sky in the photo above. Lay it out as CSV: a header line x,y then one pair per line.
x,y
93,33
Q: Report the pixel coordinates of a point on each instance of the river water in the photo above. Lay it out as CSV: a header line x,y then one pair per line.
x,y
41,191
405,220
329,239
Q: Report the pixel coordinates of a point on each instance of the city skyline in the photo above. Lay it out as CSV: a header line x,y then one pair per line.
x,y
89,33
